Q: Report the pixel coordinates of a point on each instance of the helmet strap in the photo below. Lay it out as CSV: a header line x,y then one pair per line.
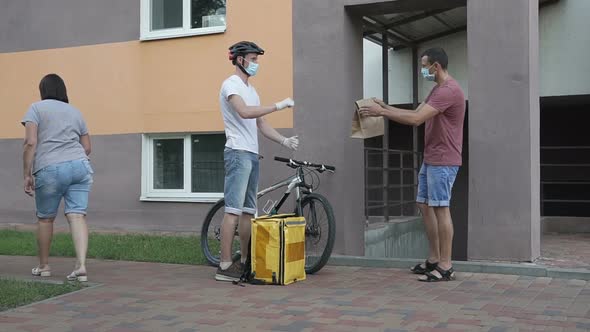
x,y
242,67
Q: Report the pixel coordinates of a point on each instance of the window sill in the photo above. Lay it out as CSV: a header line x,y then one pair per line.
x,y
212,198
178,33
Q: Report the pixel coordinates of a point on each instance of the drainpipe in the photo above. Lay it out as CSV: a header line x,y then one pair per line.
x,y
415,129
385,76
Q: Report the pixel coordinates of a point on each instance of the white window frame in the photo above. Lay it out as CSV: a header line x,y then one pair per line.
x,y
186,30
148,193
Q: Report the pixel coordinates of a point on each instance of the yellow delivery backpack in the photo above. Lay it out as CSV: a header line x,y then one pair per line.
x,y
277,249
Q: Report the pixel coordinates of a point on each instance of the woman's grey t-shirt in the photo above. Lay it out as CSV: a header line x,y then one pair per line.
x,y
60,126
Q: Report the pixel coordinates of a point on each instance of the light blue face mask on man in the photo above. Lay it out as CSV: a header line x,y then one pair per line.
x,y
252,68
427,75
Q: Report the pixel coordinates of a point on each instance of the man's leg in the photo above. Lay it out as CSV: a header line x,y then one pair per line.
x,y
249,206
441,180
429,218
237,174
228,270
432,232
445,236
228,230
245,228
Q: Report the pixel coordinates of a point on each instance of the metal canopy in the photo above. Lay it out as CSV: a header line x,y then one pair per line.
x,y
411,28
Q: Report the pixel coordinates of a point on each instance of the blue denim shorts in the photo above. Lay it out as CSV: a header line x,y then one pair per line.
x,y
241,181
435,184
70,180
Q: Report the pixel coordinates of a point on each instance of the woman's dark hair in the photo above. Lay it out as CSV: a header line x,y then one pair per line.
x,y
53,87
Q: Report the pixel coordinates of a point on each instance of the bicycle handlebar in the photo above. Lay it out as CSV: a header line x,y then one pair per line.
x,y
305,163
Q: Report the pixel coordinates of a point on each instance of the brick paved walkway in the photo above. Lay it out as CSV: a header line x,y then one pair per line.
x,y
161,297
565,250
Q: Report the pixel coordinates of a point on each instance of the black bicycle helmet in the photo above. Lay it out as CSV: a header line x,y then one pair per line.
x,y
242,48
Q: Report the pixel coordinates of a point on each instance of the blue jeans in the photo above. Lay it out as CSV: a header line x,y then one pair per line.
x,y
70,180
241,181
435,184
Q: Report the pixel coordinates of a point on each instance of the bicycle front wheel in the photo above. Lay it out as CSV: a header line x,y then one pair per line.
x,y
320,231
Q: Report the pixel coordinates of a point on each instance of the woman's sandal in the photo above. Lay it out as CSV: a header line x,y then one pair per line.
x,y
446,275
75,276
418,269
37,272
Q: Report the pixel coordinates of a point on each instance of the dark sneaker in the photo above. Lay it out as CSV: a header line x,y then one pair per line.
x,y
232,273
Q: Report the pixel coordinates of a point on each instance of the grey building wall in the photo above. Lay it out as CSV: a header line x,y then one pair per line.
x,y
504,210
43,24
114,200
328,71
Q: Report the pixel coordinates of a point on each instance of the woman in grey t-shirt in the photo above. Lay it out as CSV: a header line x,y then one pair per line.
x,y
56,166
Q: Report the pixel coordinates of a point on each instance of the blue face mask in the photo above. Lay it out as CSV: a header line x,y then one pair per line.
x,y
252,68
427,75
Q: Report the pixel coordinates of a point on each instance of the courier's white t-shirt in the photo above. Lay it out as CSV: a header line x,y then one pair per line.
x,y
241,134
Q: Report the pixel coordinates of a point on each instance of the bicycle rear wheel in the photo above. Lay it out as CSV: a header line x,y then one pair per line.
x,y
211,234
320,231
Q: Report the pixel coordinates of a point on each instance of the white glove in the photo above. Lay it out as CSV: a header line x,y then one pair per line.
x,y
291,142
284,104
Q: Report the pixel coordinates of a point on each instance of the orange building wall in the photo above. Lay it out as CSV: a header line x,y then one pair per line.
x,y
167,85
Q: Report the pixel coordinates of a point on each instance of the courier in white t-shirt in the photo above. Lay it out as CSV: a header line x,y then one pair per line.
x,y
243,116
242,134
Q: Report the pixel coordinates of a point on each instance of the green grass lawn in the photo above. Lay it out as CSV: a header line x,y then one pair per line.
x,y
133,247
16,293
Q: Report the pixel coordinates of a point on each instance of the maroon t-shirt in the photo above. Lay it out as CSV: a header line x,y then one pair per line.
x,y
443,139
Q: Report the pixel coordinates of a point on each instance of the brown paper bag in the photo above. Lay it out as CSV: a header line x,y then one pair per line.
x,y
366,126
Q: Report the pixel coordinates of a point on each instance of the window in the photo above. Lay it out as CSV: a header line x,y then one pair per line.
x,y
177,18
182,168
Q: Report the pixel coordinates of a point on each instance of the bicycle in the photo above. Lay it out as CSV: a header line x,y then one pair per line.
x,y
320,232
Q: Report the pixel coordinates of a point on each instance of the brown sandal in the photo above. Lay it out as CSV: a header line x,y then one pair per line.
x,y
418,269
446,275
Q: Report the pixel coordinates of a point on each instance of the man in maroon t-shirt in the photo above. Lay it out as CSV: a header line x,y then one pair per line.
x,y
443,111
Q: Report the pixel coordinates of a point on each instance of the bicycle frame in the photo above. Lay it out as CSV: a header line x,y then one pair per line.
x,y
292,182
306,199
